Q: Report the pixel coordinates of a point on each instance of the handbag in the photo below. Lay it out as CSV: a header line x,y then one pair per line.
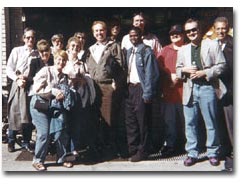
x,y
42,105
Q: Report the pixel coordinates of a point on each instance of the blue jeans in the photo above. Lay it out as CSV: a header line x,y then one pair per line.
x,y
169,112
204,102
41,121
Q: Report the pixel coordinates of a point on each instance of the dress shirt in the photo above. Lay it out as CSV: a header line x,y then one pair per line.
x,y
222,44
97,50
149,40
80,54
72,68
19,60
132,68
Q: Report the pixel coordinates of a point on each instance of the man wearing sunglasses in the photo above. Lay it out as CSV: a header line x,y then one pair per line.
x,y
199,64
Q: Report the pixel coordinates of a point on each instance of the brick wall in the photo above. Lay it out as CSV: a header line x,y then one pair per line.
x,y
12,31
3,48
11,36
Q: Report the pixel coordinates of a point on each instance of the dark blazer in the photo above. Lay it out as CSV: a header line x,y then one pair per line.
x,y
35,65
227,76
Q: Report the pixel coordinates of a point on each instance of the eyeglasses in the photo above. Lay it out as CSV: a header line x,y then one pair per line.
x,y
191,30
80,37
29,37
44,51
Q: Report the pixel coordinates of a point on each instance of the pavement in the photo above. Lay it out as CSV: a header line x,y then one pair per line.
x,y
10,164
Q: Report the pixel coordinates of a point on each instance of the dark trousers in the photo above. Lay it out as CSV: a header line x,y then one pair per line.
x,y
26,134
137,116
228,111
104,104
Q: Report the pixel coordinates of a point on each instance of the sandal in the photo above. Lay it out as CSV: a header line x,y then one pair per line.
x,y
39,166
68,164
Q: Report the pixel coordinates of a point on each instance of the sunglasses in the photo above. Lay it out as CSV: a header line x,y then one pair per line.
x,y
44,51
191,30
29,37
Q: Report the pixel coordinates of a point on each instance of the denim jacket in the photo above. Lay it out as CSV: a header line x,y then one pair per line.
x,y
148,71
59,109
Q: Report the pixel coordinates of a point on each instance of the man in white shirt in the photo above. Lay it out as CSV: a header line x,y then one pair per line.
x,y
18,103
142,81
149,39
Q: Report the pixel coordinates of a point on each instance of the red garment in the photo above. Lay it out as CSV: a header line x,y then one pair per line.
x,y
167,64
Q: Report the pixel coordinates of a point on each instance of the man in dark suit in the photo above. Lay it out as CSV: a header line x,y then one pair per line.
x,y
221,28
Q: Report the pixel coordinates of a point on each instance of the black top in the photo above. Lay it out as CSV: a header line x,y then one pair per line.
x,y
35,66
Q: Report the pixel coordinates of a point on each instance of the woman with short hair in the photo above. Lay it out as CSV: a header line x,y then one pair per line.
x,y
46,87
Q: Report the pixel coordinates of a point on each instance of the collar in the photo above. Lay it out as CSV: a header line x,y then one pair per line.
x,y
26,48
57,73
74,61
195,46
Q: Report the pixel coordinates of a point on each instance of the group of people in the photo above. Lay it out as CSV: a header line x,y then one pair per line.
x,y
68,94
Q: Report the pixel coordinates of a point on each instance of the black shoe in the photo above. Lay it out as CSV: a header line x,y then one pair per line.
x,y
11,147
166,151
139,156
228,163
28,149
190,161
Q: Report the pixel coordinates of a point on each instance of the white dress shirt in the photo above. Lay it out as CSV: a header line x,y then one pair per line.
x,y
149,40
97,50
133,76
19,60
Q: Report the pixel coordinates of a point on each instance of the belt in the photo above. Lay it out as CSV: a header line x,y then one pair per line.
x,y
133,84
201,82
104,81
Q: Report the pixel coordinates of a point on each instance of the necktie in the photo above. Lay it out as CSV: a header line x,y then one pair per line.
x,y
130,64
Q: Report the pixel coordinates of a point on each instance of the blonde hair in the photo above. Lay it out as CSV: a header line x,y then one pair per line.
x,y
61,53
99,22
58,36
71,39
43,45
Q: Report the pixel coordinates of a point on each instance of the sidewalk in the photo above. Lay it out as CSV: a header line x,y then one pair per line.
x,y
9,164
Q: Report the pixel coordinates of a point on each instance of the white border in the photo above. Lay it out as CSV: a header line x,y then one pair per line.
x,y
240,35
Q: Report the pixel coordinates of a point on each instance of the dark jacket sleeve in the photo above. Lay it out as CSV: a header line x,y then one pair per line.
x,y
32,72
151,75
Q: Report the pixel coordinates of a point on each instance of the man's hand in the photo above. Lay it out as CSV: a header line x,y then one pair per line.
x,y
190,70
21,83
21,80
174,79
197,74
60,95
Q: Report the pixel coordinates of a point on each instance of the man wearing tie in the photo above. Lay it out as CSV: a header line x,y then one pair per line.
x,y
142,79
